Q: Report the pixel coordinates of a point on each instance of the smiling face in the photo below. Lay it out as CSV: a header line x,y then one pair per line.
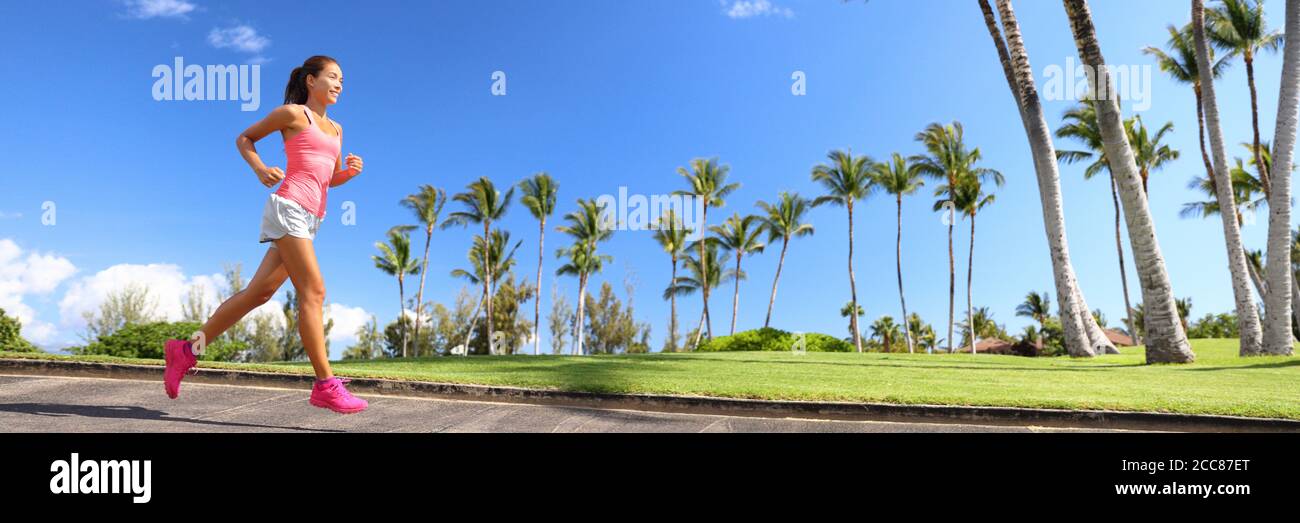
x,y
326,86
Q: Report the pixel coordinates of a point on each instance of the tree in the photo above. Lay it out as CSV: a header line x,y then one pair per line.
x,y
1081,336
586,227
1238,27
671,237
847,179
852,311
948,159
427,204
369,342
1281,305
1251,335
740,236
969,198
1037,307
900,178
1081,124
125,306
539,197
702,271
483,204
783,220
11,338
1181,66
395,260
1166,340
708,182
493,255
612,327
560,320
1148,153
885,330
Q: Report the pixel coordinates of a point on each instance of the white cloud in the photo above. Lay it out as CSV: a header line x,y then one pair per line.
x,y
238,37
33,274
168,289
146,9
752,8
346,322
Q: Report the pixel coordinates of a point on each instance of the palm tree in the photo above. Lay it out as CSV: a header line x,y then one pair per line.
x,y
1248,322
1082,336
487,257
784,220
1244,188
1166,339
1238,27
949,160
899,178
539,197
1037,307
708,183
1184,310
395,260
969,198
483,205
427,205
980,325
740,236
921,332
1081,124
1180,64
672,238
886,331
588,229
703,270
846,178
1148,153
1280,243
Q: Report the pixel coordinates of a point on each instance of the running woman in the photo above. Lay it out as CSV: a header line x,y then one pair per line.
x,y
312,146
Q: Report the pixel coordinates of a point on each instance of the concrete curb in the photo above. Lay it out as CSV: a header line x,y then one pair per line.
x,y
1003,416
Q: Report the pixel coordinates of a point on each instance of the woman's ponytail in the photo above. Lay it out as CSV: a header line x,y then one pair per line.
x,y
296,91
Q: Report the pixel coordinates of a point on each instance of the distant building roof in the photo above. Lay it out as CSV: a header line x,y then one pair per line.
x,y
1118,338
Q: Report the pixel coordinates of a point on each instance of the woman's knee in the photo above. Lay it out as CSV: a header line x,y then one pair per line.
x,y
261,295
312,295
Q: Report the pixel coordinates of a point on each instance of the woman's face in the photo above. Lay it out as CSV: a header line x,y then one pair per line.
x,y
327,86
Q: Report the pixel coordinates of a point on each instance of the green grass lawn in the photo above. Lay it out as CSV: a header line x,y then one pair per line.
x,y
1219,382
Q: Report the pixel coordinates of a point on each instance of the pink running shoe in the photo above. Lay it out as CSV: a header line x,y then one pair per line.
x,y
180,358
331,394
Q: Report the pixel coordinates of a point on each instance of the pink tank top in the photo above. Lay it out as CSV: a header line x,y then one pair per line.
x,y
312,155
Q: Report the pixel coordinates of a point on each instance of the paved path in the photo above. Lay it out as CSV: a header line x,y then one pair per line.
x,y
63,404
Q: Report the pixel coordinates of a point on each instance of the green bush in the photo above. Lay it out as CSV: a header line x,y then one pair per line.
x,y
769,339
145,340
11,338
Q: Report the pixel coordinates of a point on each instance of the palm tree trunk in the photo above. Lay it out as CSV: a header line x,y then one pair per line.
x,y
419,296
1166,339
1247,316
473,317
1020,80
1264,178
401,311
1280,306
704,274
537,303
853,286
785,242
1123,274
487,283
1200,121
672,300
970,270
699,331
898,261
582,307
735,296
952,270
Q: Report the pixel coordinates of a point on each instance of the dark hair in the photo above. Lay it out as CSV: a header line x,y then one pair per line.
x,y
296,91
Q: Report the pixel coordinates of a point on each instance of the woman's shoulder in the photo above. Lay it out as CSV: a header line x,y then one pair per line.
x,y
287,112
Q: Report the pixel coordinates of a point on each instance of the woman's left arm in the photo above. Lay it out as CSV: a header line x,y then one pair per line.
x,y
341,175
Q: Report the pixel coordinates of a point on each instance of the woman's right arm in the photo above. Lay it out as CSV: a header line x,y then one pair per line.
x,y
279,118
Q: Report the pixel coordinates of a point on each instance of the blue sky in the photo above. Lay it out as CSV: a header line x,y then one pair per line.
x,y
600,95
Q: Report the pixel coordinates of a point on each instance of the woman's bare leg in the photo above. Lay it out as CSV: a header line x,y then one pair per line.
x,y
299,259
266,281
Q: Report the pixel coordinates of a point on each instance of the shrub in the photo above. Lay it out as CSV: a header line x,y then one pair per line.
x,y
770,339
145,340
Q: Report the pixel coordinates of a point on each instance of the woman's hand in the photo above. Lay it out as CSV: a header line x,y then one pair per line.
x,y
270,176
354,163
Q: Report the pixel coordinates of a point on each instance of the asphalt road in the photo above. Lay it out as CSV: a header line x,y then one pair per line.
x,y
63,404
